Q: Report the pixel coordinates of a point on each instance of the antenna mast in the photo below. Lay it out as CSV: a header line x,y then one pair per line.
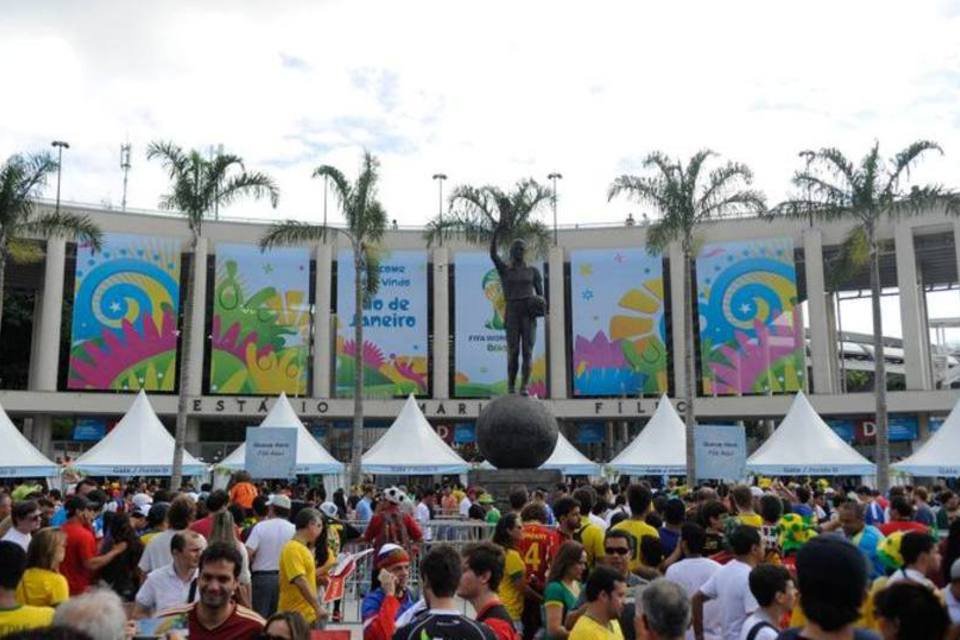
x,y
125,165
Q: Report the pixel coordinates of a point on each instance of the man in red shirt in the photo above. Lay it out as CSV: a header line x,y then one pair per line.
x,y
216,616
217,501
81,562
538,545
901,518
389,525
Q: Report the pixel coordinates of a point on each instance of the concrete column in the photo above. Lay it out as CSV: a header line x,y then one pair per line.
x,y
956,242
914,344
46,363
40,432
556,330
191,439
823,364
197,318
322,321
441,323
675,255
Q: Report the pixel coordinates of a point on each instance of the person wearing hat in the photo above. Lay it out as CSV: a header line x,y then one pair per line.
x,y
390,525
266,541
382,606
493,514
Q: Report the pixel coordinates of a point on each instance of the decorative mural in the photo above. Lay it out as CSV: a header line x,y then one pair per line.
x,y
619,331
395,328
480,352
261,321
751,329
124,328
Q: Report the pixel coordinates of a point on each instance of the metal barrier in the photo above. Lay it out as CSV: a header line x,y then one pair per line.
x,y
455,533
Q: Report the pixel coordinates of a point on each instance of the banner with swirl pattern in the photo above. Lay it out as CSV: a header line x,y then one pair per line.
x,y
261,321
125,306
751,329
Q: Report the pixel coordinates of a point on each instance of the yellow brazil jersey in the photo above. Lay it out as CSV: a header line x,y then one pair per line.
x,y
638,529
296,560
750,519
42,588
591,537
510,595
24,617
589,629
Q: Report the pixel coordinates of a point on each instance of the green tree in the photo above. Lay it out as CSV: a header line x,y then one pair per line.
x,y
834,189
21,180
476,213
366,223
198,187
685,197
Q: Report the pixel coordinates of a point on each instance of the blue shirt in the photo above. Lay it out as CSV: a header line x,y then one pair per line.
x,y
873,514
364,510
374,600
867,541
803,510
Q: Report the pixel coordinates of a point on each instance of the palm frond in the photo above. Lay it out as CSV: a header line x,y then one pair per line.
x,y
371,276
746,202
651,190
253,184
660,160
80,227
341,188
473,228
372,223
833,161
474,201
721,180
904,161
807,208
661,233
171,156
24,251
853,258
920,199
291,233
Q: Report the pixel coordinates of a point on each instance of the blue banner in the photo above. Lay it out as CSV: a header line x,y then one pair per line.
x,y
465,433
721,452
89,430
271,452
590,433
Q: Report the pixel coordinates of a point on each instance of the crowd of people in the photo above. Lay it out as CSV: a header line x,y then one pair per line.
x,y
809,560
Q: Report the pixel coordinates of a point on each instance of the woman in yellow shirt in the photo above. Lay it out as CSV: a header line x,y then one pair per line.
x,y
42,585
513,585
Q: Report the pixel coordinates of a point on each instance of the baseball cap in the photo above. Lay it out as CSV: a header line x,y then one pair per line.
x,y
756,492
329,509
143,511
279,500
485,498
141,499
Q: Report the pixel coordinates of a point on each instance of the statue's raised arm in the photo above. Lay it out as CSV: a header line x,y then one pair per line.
x,y
495,254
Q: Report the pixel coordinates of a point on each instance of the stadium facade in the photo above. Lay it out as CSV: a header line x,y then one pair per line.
x,y
107,323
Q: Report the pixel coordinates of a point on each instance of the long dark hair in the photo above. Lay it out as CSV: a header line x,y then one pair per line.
x,y
501,534
951,550
321,548
568,555
299,629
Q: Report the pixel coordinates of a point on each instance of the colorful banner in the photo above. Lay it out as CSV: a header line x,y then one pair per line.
x,y
619,331
480,354
261,321
751,331
395,347
125,305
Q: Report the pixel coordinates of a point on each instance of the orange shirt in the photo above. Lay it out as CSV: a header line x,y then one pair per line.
x,y
243,494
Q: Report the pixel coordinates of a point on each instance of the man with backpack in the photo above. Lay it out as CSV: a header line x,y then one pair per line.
x,y
391,526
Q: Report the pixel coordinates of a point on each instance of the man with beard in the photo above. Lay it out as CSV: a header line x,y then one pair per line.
x,y
216,616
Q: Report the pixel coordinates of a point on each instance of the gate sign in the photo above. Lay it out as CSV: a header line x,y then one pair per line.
x,y
271,453
721,452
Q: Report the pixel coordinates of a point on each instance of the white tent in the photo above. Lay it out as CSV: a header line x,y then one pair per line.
x,y
139,445
940,455
804,444
312,458
570,461
661,447
411,447
19,458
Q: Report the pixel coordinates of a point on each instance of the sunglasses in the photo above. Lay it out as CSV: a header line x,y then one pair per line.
x,y
620,551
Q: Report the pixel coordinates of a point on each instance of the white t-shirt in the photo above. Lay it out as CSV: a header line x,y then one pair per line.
x,y
465,507
266,541
163,589
157,552
730,585
691,574
953,605
423,517
764,633
22,539
597,520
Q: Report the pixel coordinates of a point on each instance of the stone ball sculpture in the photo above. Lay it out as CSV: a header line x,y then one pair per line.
x,y
516,432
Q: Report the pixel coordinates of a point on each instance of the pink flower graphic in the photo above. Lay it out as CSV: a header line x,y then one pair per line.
x,y
752,361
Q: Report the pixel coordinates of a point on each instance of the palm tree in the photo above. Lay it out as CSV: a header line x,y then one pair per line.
x,y
21,180
834,189
198,187
686,197
366,224
477,212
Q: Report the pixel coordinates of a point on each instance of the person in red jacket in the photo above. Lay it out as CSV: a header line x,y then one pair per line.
x,y
382,606
901,518
389,525
483,566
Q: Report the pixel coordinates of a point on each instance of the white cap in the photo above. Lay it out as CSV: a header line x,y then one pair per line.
x,y
329,509
756,492
141,499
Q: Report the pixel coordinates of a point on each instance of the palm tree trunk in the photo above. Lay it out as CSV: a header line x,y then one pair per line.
x,y
356,450
882,454
3,273
690,390
186,340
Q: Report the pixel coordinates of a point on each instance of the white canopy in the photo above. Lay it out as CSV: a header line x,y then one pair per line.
x,y
659,449
139,445
804,444
411,447
19,458
940,455
570,461
312,458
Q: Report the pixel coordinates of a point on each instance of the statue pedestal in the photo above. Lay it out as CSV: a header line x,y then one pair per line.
x,y
516,432
500,482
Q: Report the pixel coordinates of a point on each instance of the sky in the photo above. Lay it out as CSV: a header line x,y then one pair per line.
x,y
487,93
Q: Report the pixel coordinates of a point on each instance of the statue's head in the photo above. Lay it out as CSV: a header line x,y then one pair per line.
x,y
517,249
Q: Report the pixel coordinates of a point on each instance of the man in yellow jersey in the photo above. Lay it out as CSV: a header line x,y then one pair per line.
x,y
589,534
606,591
743,499
14,616
639,498
298,570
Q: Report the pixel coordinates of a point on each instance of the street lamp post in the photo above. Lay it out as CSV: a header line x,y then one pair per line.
x,y
60,146
554,177
440,177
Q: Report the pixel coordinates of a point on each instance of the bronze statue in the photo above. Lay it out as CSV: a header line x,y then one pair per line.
x,y
523,291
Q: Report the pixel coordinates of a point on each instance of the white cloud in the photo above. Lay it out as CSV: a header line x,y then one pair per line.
x,y
488,92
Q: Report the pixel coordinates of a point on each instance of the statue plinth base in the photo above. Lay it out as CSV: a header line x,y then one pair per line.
x,y
500,482
516,432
